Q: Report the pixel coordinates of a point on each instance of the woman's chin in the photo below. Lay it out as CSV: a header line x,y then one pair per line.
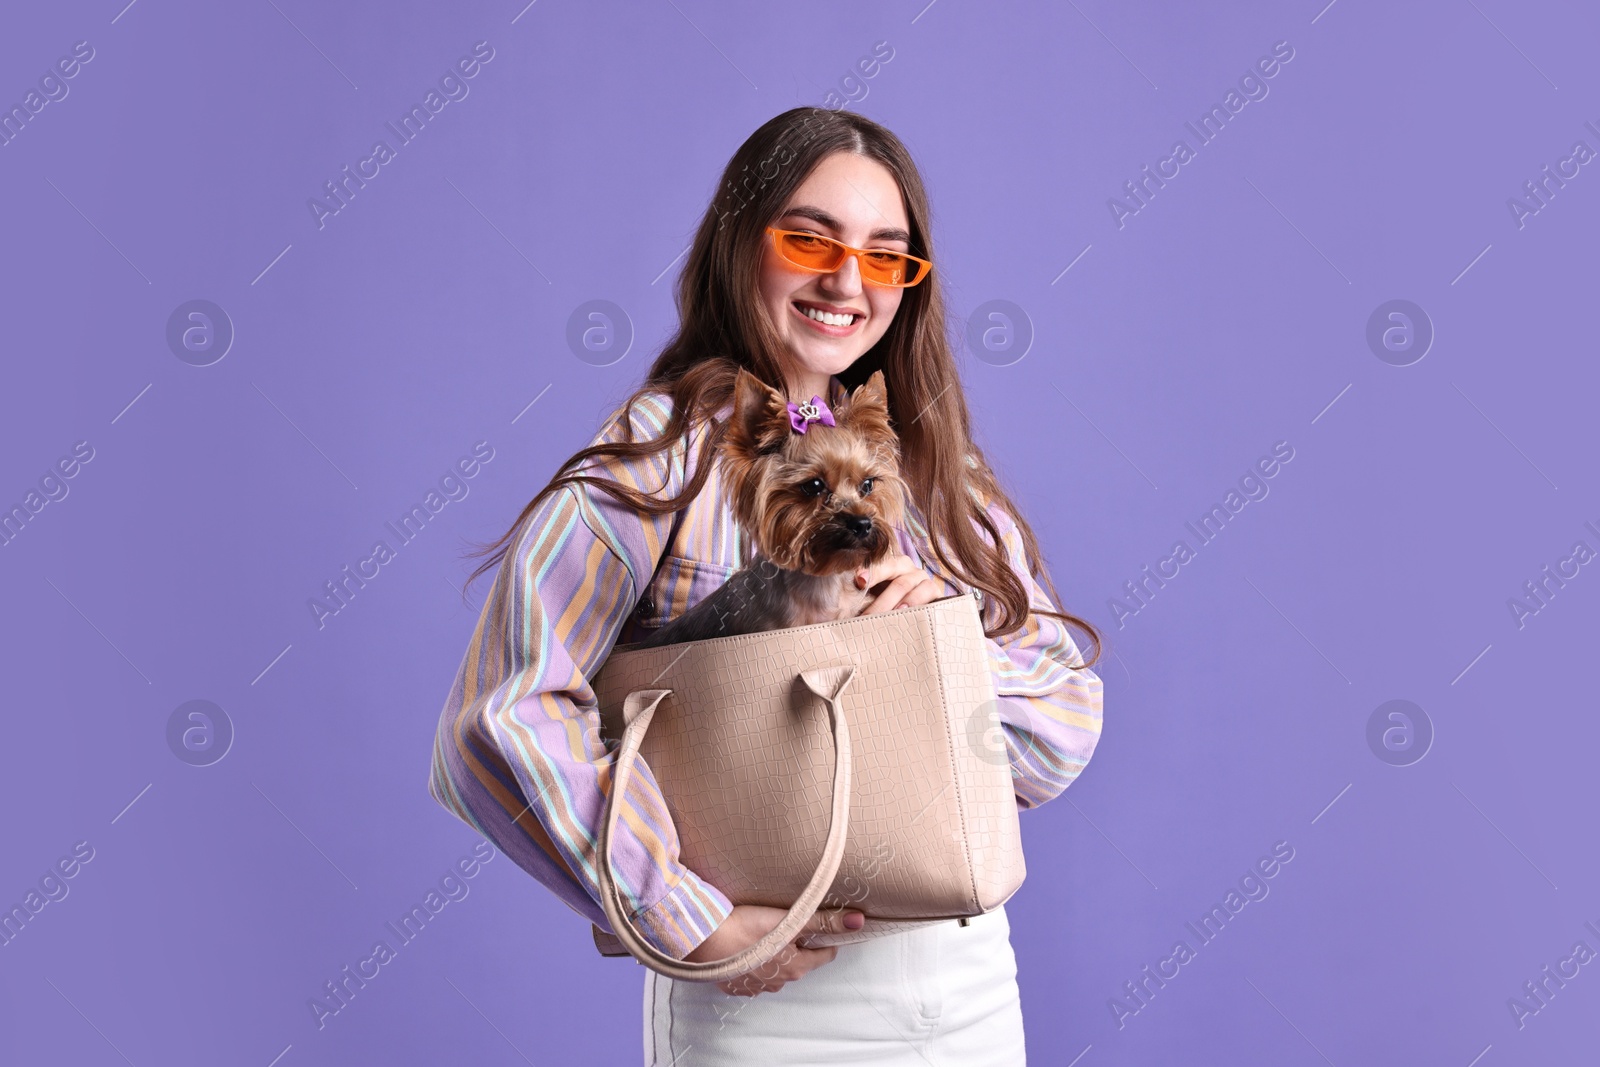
x,y
826,360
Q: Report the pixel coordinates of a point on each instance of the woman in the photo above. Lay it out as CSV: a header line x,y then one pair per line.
x,y
633,531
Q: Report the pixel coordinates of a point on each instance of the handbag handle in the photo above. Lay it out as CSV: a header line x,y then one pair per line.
x,y
827,683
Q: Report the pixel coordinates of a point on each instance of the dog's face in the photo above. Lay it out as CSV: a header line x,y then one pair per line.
x,y
822,502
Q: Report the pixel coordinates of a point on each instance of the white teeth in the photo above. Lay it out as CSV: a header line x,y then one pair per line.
x,y
828,317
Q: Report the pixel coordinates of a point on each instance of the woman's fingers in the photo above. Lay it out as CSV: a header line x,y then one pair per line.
x,y
886,568
749,923
907,590
794,962
803,961
927,592
830,921
901,583
789,965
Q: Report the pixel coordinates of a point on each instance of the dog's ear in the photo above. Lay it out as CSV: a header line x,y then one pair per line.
x,y
867,411
760,420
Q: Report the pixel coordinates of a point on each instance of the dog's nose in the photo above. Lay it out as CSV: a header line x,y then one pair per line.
x,y
860,525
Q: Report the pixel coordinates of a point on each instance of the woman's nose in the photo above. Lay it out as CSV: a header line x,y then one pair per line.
x,y
846,281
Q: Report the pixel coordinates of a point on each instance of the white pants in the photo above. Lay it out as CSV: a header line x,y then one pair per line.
x,y
944,995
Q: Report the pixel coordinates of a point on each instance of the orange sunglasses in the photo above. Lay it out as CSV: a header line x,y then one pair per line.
x,y
824,255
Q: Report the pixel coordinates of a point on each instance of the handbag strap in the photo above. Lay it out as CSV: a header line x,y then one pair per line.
x,y
639,708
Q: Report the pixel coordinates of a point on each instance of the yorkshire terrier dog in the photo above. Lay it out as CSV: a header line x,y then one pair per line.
x,y
819,493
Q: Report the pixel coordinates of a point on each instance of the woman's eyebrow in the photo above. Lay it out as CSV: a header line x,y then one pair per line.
x,y
816,214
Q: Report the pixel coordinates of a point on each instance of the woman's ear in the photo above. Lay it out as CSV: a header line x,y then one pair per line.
x,y
867,411
760,419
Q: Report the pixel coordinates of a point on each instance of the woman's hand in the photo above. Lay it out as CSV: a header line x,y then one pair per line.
x,y
902,584
749,923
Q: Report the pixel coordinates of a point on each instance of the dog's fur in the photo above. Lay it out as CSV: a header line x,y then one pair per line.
x,y
809,544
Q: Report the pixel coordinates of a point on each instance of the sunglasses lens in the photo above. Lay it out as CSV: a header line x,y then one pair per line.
x,y
809,250
887,268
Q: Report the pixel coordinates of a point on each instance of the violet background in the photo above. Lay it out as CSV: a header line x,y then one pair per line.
x,y
1227,315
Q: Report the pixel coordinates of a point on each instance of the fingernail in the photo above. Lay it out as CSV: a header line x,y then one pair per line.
x,y
854,921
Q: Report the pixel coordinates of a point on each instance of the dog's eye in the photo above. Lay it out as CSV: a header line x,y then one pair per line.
x,y
813,487
866,486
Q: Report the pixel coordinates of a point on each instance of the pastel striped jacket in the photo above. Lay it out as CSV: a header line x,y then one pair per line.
x,y
518,754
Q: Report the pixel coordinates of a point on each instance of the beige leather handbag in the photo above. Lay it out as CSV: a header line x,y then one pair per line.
x,y
856,763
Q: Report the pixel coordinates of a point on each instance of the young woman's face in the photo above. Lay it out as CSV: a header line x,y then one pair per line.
x,y
855,200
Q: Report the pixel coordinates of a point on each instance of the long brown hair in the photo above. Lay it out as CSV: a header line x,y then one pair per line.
x,y
723,326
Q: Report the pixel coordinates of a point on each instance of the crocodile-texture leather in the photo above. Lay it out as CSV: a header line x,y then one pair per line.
x,y
743,752
825,682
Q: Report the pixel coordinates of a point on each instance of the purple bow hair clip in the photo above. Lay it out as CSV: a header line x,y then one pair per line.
x,y
813,410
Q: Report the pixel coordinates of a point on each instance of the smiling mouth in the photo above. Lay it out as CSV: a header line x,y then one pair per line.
x,y
834,320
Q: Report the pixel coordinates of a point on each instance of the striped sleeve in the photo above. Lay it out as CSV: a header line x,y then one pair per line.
x,y
518,753
1049,707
